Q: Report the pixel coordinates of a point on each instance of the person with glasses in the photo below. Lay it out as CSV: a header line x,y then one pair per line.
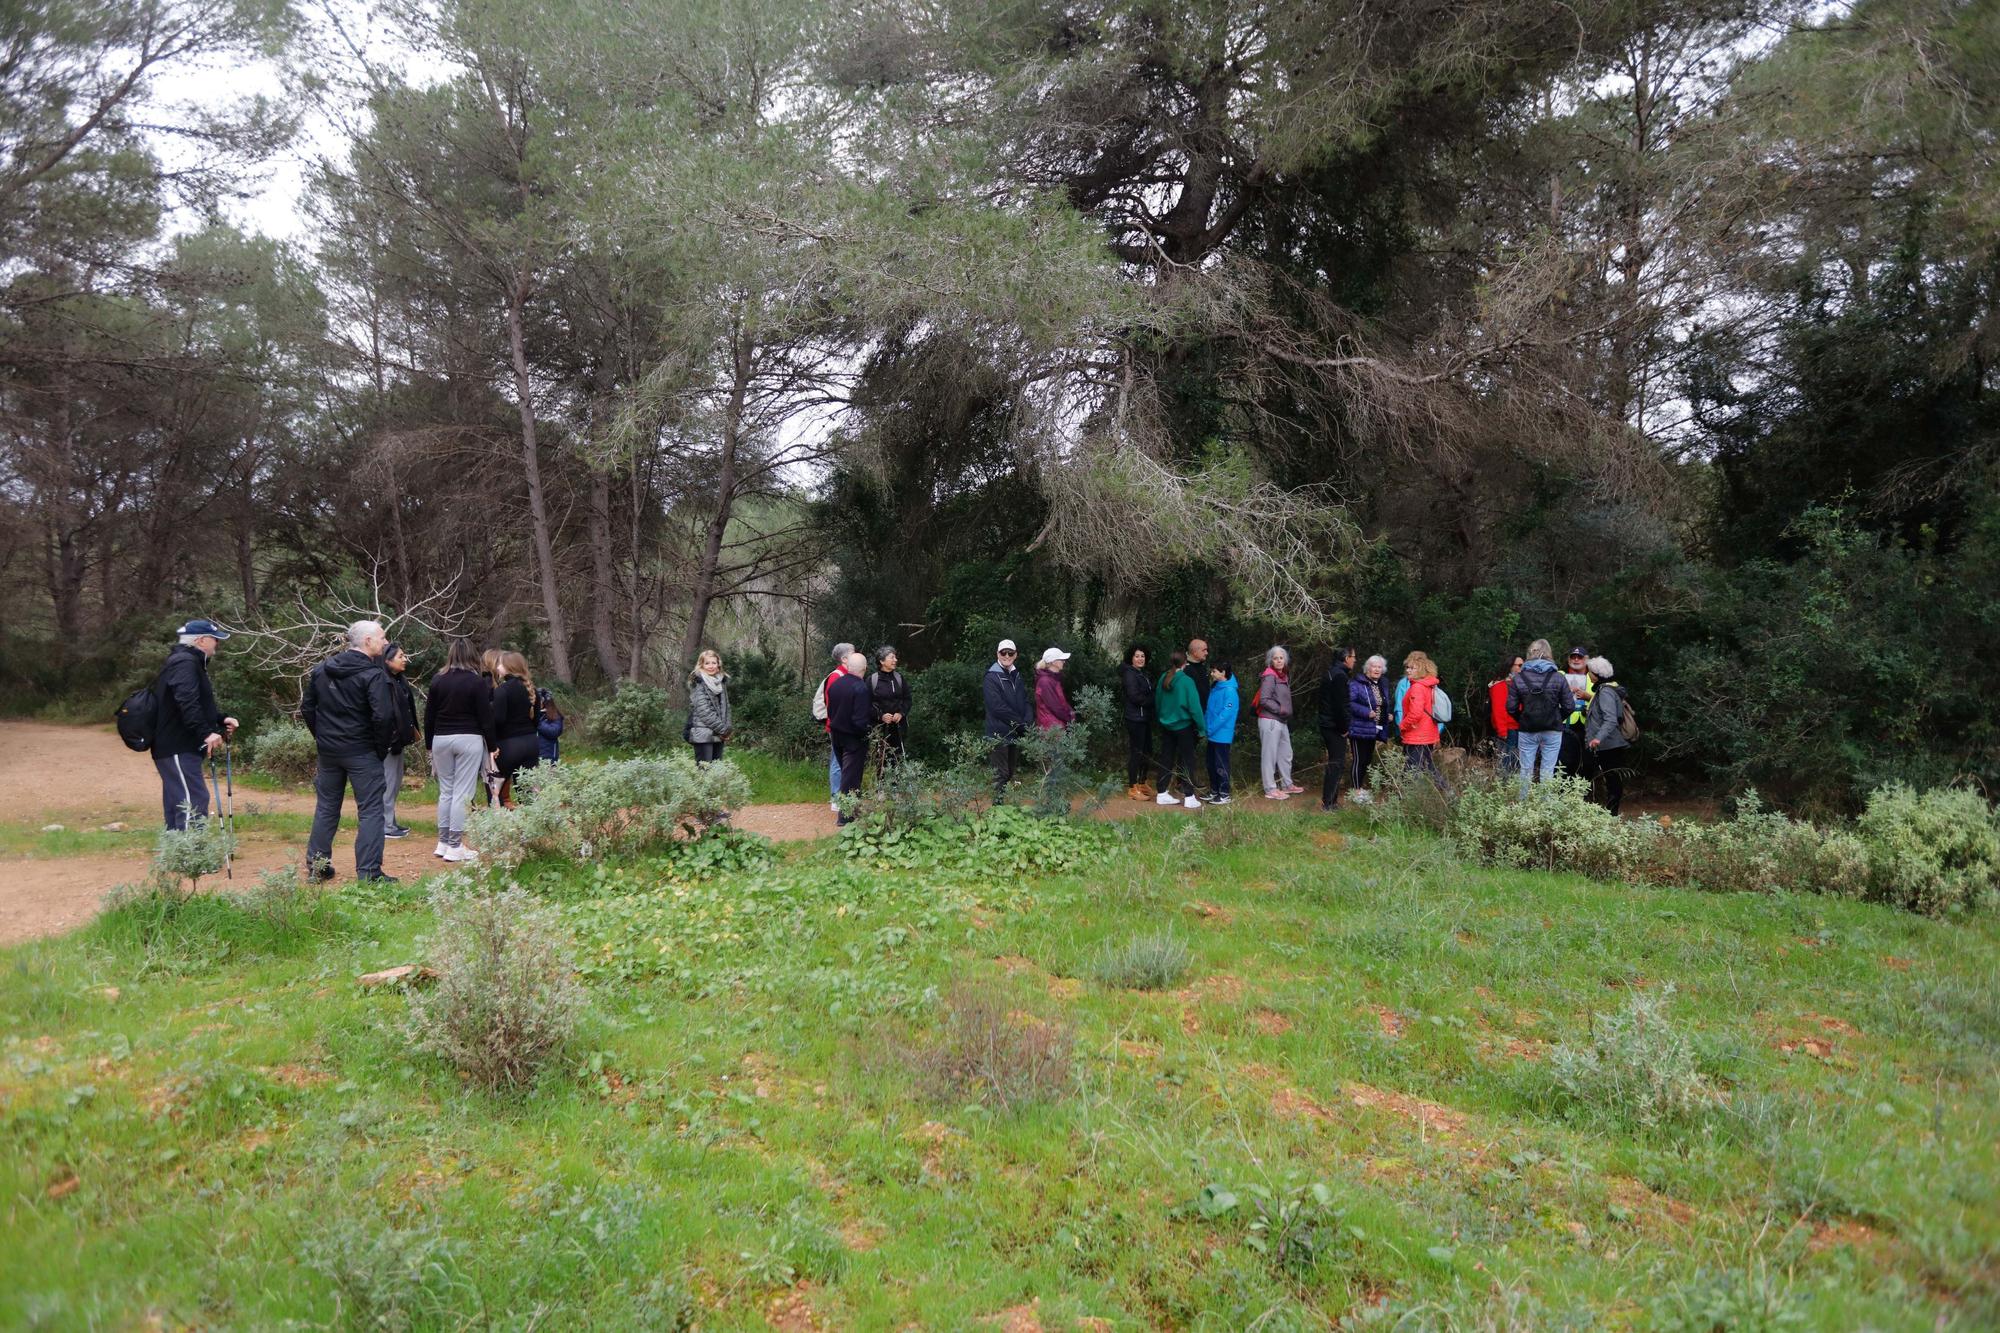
x,y
1010,711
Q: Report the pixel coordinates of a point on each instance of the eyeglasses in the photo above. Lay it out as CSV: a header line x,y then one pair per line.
x,y
1006,652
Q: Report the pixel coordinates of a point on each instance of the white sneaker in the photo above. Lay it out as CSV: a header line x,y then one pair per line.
x,y
457,854
833,806
439,850
1166,798
1192,803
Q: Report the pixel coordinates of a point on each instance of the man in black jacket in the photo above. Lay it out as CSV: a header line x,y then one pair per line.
x,y
1333,719
1010,711
189,726
352,713
849,715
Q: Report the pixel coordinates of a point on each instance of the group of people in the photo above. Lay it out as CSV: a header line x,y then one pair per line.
x,y
1577,722
483,721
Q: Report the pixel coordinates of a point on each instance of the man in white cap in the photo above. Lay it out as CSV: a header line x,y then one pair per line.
x,y
1009,713
1052,708
189,726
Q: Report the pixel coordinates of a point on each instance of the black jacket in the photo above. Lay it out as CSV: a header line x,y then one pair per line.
x,y
460,704
848,706
1135,694
889,692
406,712
1333,701
513,709
188,715
1010,710
349,707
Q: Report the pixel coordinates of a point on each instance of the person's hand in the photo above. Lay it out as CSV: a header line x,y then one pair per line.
x,y
1593,745
229,725
211,743
494,755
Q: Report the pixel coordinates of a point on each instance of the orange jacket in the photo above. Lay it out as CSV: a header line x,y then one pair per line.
x,y
1418,726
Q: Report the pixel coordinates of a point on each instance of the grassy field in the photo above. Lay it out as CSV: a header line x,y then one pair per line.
x,y
1345,1103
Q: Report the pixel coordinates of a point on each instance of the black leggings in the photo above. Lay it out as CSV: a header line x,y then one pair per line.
x,y
706,751
1177,758
1606,771
1336,765
1138,753
1364,755
517,753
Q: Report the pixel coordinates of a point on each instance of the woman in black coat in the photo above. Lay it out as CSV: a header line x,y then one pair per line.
x,y
514,722
1135,702
889,705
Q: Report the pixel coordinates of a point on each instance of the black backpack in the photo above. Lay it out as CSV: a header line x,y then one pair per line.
x,y
138,718
1542,707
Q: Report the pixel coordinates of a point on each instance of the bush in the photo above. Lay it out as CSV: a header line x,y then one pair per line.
x,y
388,1278
1935,852
284,749
1399,794
1760,851
1146,962
637,717
1557,828
586,810
989,1053
290,905
1636,1065
506,1001
202,848
1000,843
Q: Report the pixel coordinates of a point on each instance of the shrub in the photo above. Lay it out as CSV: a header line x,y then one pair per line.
x,y
1557,828
637,717
507,1000
1935,852
1000,843
1637,1065
586,810
388,1278
202,848
285,750
1145,962
1399,794
290,905
1760,851
988,1053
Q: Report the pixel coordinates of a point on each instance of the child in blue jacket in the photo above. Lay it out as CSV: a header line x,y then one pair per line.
x,y
548,726
1219,720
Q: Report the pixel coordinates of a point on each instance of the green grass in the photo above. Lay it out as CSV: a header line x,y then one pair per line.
x,y
251,1142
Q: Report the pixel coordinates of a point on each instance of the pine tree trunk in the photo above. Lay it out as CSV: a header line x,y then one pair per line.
x,y
531,471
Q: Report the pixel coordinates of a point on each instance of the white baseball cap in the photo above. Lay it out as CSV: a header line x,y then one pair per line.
x,y
1054,655
1006,645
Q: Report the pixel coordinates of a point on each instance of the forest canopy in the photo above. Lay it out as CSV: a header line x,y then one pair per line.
x,y
618,328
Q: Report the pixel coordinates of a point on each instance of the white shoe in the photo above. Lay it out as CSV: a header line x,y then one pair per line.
x,y
1166,798
1192,803
833,806
457,854
440,850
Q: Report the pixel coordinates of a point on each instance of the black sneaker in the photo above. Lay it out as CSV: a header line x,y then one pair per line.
x,y
395,831
321,876
379,879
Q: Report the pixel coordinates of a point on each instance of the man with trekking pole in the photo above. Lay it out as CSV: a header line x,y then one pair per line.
x,y
190,727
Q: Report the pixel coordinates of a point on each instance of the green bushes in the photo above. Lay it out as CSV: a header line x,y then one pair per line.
x,y
1145,962
284,749
587,810
1934,852
507,1000
1558,829
1637,1066
638,717
1001,842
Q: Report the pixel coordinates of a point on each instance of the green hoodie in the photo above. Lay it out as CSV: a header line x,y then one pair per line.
x,y
1178,702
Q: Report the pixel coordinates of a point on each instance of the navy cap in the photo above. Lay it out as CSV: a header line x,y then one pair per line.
x,y
1579,652
208,627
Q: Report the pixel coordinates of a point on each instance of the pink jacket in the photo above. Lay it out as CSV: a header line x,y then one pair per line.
x,y
1051,704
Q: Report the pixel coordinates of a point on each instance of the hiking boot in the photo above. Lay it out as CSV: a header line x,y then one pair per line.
x,y
321,876
395,831
378,879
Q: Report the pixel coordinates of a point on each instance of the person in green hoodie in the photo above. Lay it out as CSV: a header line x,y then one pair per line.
x,y
1179,709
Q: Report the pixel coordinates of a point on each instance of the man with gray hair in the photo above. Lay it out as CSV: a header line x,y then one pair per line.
x,y
351,711
189,726
1539,698
840,655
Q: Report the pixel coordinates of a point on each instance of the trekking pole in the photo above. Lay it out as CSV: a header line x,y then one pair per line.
x,y
229,779
215,807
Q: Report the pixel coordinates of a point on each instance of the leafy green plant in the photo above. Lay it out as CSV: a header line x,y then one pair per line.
x,y
587,810
1557,828
506,1001
1935,852
1751,1301
637,717
282,748
187,854
720,851
999,842
1145,962
1636,1064
1293,1227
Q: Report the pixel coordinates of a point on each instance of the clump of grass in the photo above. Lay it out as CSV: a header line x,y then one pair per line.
x,y
507,1001
1637,1065
388,1278
1144,962
986,1052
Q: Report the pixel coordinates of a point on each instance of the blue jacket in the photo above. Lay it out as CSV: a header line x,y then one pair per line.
x,y
1010,709
1225,700
548,731
1362,724
1402,688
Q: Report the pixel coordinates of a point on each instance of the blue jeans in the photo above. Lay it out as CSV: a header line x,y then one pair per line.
x,y
1510,753
1218,769
182,787
833,773
1539,750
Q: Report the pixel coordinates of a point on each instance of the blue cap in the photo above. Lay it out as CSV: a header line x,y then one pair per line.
x,y
208,627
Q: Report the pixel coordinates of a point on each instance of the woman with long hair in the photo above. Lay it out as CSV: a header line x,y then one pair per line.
x,y
709,723
514,722
458,731
1181,725
489,769
1135,705
1419,723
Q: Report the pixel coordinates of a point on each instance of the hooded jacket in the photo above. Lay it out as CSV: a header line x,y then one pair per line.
x,y
1052,708
708,708
1274,695
548,730
1180,706
188,715
348,706
1135,694
1539,698
1225,701
1607,707
1009,710
1334,703
1504,724
888,692
1419,726
1367,709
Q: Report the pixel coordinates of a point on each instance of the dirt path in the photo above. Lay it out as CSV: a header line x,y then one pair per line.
x,y
85,777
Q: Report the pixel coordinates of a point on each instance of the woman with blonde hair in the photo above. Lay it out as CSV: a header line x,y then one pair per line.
x,y
709,723
489,766
1419,722
514,723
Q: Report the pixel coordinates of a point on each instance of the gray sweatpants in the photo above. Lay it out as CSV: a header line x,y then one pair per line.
x,y
392,782
336,773
456,761
1274,753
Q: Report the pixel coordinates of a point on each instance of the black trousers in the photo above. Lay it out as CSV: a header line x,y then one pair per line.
x,y
1364,755
337,772
1138,753
1006,758
1336,765
707,751
1606,771
852,752
1177,759
1569,760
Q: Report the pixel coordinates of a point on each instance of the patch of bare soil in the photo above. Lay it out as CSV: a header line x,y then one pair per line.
x,y
797,822
1428,1117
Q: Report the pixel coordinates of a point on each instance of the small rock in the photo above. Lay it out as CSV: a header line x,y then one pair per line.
x,y
118,827
110,993
409,974
65,1187
52,828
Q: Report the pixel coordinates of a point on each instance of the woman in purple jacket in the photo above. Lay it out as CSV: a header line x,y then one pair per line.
x,y
1368,720
1051,702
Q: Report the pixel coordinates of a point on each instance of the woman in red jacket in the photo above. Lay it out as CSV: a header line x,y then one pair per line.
x,y
1419,724
1505,729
